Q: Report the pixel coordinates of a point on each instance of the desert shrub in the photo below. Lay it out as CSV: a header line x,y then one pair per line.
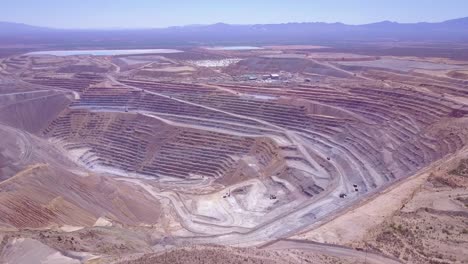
x,y
462,169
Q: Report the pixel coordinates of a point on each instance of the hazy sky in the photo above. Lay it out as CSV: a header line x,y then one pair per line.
x,y
163,13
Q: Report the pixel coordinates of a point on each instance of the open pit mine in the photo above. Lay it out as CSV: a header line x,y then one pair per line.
x,y
275,154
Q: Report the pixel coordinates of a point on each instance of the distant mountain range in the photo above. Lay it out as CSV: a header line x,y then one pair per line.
x,y
455,30
8,28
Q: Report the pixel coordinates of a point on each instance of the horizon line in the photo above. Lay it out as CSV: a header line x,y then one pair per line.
x,y
229,24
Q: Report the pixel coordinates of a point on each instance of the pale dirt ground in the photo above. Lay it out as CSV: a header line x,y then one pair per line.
x,y
421,220
295,47
430,59
352,225
431,228
26,250
225,255
171,69
437,73
339,56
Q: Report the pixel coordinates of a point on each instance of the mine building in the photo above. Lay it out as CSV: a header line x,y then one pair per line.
x,y
274,76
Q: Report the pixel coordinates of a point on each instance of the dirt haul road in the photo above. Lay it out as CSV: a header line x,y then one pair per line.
x,y
333,250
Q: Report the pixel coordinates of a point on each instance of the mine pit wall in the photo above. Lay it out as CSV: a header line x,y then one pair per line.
x,y
265,159
140,144
31,115
315,108
7,167
240,171
77,82
31,203
385,134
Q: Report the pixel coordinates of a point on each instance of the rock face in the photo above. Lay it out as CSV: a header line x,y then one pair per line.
x,y
141,144
43,196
